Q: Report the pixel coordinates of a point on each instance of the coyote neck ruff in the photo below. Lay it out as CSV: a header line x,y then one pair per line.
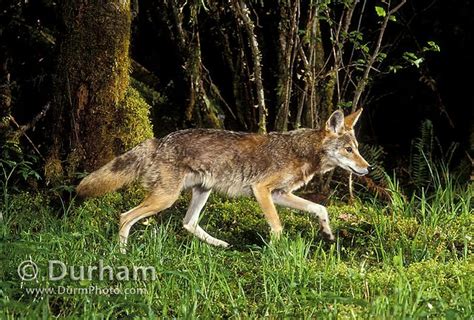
x,y
268,166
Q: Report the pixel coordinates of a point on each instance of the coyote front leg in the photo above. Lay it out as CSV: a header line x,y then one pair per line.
x,y
264,199
295,202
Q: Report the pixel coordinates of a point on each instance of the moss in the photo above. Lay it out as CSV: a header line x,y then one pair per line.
x,y
328,96
132,115
151,96
163,116
53,170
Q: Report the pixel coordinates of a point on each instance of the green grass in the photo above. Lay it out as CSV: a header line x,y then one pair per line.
x,y
411,258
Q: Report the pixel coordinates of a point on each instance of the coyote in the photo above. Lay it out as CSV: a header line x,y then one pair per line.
x,y
269,166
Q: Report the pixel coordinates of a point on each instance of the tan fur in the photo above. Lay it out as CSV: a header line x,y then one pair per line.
x,y
263,194
102,181
270,167
117,173
352,119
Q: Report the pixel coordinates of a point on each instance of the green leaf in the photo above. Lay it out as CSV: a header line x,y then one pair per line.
x,y
381,56
364,48
431,46
345,104
394,68
413,59
380,11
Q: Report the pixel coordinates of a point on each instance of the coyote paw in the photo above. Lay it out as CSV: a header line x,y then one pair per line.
x,y
328,236
220,243
276,233
122,245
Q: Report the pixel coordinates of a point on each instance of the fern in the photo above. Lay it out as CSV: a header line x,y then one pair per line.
x,y
374,155
421,156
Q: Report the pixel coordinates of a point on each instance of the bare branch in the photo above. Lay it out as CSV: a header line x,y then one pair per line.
x,y
244,14
363,81
33,122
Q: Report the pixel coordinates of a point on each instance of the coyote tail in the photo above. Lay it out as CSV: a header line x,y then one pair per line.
x,y
120,171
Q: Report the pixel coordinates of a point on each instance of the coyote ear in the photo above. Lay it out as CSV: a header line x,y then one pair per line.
x,y
351,120
335,122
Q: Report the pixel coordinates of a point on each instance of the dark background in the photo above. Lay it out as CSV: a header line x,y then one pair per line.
x,y
396,105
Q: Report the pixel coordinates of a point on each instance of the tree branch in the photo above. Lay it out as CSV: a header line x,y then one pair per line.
x,y
249,25
33,121
363,82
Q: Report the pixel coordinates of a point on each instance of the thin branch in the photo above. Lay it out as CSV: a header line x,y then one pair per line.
x,y
12,119
216,90
363,82
244,14
33,122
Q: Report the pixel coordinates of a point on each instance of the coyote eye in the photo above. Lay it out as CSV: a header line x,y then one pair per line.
x,y
349,149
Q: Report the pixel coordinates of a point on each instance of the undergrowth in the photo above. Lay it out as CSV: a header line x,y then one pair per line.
x,y
409,258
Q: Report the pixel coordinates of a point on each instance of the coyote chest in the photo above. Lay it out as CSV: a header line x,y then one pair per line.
x,y
290,178
301,178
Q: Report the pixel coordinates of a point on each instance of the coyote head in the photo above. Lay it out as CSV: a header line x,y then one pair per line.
x,y
341,145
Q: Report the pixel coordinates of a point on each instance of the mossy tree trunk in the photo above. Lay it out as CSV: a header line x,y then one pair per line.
x,y
90,87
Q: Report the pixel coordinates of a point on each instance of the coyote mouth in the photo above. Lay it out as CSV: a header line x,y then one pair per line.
x,y
359,173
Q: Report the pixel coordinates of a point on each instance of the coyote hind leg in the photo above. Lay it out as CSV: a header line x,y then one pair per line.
x,y
158,201
191,220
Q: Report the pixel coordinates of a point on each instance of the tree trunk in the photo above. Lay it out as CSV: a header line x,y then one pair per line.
x,y
243,13
5,100
288,41
89,107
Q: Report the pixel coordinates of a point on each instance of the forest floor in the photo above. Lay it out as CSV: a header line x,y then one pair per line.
x,y
406,259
